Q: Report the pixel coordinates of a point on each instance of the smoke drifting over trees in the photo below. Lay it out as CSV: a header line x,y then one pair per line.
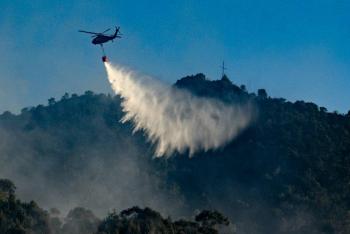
x,y
77,150
287,172
20,217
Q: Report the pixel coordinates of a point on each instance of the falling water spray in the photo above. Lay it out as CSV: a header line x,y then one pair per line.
x,y
174,119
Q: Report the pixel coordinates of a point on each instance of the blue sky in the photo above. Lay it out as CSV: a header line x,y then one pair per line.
x,y
294,49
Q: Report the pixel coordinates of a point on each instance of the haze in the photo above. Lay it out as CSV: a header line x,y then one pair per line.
x,y
295,49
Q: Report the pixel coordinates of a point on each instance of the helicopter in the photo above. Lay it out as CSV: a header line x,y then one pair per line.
x,y
100,38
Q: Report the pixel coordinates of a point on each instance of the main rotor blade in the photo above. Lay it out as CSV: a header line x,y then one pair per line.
x,y
88,32
105,30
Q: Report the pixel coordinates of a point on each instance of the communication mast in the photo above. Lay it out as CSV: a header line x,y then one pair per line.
x,y
223,69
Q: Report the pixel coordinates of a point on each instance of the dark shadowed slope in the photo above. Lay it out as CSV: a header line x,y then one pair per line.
x,y
287,173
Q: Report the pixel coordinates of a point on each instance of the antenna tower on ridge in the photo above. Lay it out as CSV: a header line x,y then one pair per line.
x,y
223,68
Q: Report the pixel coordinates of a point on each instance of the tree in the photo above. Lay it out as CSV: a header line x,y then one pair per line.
x,y
323,109
17,217
7,186
24,110
80,221
65,96
244,88
52,101
139,221
6,115
208,218
89,93
262,93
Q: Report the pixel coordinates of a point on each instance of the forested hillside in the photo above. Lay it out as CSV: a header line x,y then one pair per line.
x,y
17,217
289,172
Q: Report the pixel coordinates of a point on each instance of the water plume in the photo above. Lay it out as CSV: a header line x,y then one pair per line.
x,y
174,119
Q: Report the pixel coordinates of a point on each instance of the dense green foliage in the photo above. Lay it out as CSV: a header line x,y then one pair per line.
x,y
136,220
294,160
17,217
287,173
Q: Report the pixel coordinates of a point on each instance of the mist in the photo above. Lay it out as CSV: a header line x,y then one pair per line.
x,y
94,173
173,119
63,161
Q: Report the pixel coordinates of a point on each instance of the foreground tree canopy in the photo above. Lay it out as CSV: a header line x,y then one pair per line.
x,y
17,217
136,220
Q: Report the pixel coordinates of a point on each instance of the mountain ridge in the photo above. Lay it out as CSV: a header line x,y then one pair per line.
x,y
291,162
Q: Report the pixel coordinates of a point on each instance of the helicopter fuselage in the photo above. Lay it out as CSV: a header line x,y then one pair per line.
x,y
100,39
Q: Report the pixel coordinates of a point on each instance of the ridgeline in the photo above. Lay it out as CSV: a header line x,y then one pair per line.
x,y
289,172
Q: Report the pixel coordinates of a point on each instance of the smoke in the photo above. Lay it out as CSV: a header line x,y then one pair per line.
x,y
173,119
98,175
84,161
